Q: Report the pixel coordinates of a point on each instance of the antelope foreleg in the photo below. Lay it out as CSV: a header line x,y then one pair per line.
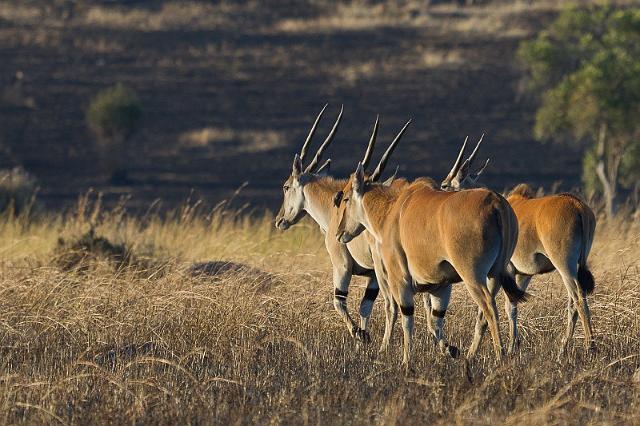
x,y
341,280
366,308
426,297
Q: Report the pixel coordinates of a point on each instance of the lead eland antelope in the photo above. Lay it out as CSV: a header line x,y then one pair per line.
x,y
555,233
429,239
310,190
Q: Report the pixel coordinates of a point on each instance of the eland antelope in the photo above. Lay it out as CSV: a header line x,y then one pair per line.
x,y
311,191
429,239
555,233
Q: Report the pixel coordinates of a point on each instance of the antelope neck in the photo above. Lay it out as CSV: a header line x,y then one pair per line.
x,y
377,203
318,198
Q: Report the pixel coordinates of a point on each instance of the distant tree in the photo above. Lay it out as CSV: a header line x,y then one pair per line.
x,y
113,116
586,67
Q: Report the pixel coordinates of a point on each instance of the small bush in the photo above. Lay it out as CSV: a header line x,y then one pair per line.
x,y
17,190
114,113
79,253
113,116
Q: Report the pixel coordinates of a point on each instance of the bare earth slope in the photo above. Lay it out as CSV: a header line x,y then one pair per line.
x,y
229,91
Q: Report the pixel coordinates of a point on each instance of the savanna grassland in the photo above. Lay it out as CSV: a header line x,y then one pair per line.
x,y
117,312
105,319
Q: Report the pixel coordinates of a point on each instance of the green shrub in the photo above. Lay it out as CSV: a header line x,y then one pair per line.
x,y
586,69
113,116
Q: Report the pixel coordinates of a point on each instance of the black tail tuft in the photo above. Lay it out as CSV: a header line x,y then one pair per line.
x,y
511,289
585,280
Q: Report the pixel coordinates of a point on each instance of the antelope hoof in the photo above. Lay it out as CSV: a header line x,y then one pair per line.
x,y
408,369
562,352
499,354
453,351
514,346
354,331
590,347
561,355
363,336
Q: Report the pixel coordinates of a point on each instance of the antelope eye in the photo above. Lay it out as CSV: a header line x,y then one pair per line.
x,y
285,188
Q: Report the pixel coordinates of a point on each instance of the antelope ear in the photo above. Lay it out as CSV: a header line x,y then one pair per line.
x,y
358,183
391,178
325,168
337,198
297,166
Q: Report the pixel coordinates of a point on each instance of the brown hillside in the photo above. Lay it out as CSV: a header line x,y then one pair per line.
x,y
229,90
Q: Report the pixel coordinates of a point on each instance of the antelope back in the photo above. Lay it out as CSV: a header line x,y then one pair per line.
x,y
561,226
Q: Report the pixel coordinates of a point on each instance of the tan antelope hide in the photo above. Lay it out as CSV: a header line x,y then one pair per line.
x,y
429,239
311,191
555,233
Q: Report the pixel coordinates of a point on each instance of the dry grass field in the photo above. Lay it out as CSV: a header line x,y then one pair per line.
x,y
123,311
116,326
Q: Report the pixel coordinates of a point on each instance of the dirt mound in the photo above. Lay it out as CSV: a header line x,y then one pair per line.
x,y
80,253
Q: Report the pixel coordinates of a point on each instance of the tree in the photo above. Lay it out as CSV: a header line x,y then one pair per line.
x,y
113,116
586,66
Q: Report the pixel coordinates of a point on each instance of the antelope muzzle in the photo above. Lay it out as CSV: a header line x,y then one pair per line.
x,y
282,224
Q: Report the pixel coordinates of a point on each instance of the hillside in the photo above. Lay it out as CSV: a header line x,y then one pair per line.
x,y
230,89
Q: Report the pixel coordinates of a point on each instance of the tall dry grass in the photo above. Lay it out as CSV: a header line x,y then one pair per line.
x,y
150,342
490,18
493,18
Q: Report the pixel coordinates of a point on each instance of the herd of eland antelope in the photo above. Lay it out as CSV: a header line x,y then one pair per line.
x,y
410,237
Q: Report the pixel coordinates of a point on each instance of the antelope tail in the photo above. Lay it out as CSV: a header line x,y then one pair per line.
x,y
508,224
585,277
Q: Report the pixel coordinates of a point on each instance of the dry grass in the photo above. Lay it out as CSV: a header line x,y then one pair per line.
x,y
433,58
157,344
419,57
494,19
20,13
226,140
354,15
169,15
